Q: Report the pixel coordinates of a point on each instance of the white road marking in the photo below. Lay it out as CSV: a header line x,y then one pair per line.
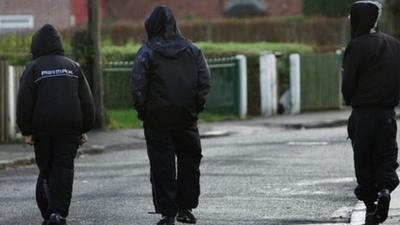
x,y
344,212
308,143
326,181
325,224
358,215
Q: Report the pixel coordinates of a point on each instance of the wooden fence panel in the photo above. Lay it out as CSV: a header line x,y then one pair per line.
x,y
320,81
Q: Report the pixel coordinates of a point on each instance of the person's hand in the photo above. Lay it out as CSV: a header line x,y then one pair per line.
x,y
29,140
84,138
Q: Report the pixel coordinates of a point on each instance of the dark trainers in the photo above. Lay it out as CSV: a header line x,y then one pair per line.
x,y
382,208
167,220
56,219
186,216
370,219
370,206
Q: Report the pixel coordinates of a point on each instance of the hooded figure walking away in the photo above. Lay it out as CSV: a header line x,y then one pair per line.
x,y
371,85
54,111
170,81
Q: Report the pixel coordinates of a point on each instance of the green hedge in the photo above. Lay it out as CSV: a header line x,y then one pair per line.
x,y
128,51
16,47
334,8
308,30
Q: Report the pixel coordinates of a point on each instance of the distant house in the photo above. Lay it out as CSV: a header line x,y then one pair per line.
x,y
137,10
25,15
22,15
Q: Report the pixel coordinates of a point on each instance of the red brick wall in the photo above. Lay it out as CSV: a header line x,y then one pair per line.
x,y
205,9
79,10
284,7
56,12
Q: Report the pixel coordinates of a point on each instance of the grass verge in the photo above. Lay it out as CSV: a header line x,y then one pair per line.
x,y
127,118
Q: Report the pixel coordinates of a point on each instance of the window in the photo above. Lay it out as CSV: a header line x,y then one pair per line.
x,y
16,22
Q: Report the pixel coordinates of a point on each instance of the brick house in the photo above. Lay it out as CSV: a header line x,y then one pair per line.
x,y
28,15
204,9
23,15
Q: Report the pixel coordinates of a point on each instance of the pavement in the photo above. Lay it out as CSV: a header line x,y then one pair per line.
x,y
20,155
324,119
14,155
358,215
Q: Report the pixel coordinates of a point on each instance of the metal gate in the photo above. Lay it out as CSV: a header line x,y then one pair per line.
x,y
224,97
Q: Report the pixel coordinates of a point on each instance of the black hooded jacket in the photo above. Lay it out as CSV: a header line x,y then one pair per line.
x,y
54,97
170,78
371,66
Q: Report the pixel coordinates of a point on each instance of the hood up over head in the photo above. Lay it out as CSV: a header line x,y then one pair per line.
x,y
46,41
364,17
163,34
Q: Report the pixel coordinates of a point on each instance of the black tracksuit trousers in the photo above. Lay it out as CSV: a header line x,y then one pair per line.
x,y
55,159
373,136
174,189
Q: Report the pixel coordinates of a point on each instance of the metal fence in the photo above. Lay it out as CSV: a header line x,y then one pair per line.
x,y
224,97
320,81
116,85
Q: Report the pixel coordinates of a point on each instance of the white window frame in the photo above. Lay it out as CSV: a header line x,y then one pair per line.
x,y
16,22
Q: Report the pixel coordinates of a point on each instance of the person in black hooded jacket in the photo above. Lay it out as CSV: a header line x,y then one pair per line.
x,y
55,109
371,85
170,81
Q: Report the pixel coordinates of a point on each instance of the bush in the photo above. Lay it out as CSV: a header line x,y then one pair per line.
x,y
16,47
128,51
319,31
323,33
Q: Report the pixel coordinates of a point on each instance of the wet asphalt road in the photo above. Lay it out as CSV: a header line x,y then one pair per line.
x,y
255,176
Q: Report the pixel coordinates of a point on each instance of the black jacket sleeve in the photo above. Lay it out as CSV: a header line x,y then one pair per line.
x,y
351,62
26,101
139,79
87,104
203,84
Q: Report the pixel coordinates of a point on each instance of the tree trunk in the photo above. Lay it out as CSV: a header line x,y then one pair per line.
x,y
394,17
94,36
